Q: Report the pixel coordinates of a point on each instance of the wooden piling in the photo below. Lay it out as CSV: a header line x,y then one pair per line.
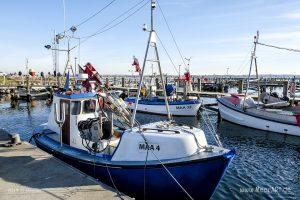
x,y
285,88
157,83
123,82
240,86
199,84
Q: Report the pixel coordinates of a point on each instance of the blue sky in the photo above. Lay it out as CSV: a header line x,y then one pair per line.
x,y
216,34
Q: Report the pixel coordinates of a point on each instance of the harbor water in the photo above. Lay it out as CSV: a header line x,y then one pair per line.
x,y
267,165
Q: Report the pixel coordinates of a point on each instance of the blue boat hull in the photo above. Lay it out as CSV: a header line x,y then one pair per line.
x,y
199,178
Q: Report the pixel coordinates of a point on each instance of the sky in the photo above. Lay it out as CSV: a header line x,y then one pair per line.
x,y
216,35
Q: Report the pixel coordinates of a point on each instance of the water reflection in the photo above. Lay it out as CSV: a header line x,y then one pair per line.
x,y
227,129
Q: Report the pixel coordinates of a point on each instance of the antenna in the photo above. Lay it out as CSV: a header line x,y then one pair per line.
x,y
189,61
64,7
26,66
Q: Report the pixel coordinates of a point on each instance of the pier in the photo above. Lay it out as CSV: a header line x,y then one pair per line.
x,y
199,82
29,173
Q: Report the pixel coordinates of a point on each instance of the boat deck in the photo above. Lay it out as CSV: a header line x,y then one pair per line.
x,y
28,171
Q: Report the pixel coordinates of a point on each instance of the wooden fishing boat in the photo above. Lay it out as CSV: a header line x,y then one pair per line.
x,y
269,113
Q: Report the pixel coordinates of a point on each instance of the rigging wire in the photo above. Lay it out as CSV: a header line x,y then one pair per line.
x,y
104,28
95,14
87,19
212,128
165,168
163,46
245,61
169,28
277,47
119,194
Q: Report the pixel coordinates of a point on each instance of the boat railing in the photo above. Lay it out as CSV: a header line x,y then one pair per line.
x,y
160,130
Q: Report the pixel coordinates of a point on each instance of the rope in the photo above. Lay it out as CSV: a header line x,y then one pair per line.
x,y
110,177
169,28
214,130
146,141
190,197
277,47
145,167
211,129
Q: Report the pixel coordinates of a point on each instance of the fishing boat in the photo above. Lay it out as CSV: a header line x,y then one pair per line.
x,y
247,112
153,161
269,113
160,160
156,105
179,106
151,103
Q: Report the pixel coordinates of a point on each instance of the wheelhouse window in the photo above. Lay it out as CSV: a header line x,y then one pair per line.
x,y
75,107
89,106
67,108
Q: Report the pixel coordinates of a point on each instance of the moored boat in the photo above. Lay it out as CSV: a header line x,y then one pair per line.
x,y
269,112
280,120
156,105
147,156
151,156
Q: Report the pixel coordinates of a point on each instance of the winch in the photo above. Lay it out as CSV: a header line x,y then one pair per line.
x,y
92,131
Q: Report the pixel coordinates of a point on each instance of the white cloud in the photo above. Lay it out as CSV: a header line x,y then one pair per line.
x,y
292,15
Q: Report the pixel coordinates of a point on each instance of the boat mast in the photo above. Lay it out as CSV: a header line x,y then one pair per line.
x,y
152,42
255,62
253,57
27,77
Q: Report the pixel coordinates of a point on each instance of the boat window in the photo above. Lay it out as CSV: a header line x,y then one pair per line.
x,y
67,110
89,106
75,107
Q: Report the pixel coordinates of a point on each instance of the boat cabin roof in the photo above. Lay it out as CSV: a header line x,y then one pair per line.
x,y
78,96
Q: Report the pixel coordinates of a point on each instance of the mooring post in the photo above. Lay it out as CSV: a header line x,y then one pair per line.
x,y
240,86
166,79
115,80
185,90
157,83
27,84
123,82
199,84
193,82
285,88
